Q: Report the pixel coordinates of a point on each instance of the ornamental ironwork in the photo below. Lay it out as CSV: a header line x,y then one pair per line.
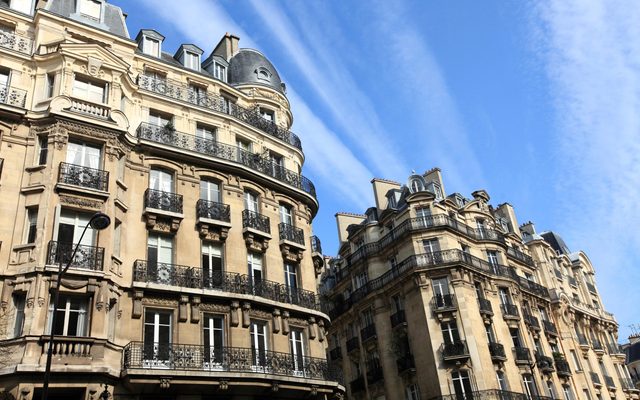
x,y
79,175
12,96
198,278
492,394
510,311
256,221
485,306
179,91
165,201
522,354
497,351
550,328
186,357
86,257
168,136
291,233
213,210
13,41
455,350
441,302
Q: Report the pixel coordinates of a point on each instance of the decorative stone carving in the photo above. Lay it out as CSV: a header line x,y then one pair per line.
x,y
223,385
159,301
290,253
255,242
276,321
165,383
312,328
235,309
161,224
137,304
246,314
285,322
182,308
274,386
212,232
321,332
81,202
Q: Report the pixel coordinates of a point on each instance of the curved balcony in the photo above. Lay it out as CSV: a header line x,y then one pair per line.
x,y
196,278
86,257
562,368
165,201
212,148
79,175
291,233
213,210
12,96
531,321
188,357
550,328
443,302
181,92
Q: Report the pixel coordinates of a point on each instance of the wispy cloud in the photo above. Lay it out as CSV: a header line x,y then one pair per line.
x,y
592,53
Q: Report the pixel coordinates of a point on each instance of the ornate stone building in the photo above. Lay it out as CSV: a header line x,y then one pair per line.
x,y
438,296
204,284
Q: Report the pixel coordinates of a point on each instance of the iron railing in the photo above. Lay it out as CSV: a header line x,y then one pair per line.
x,y
166,201
596,345
595,378
78,175
192,277
614,348
520,256
352,344
86,257
188,357
212,148
368,332
492,394
455,350
497,351
213,210
179,91
13,41
405,363
291,233
545,363
550,328
562,367
533,287
441,302
522,354
256,221
532,321
509,311
398,318
316,245
12,96
485,306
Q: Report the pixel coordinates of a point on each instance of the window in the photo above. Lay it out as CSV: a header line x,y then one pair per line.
x,y
210,191
263,74
251,201
205,134
412,392
157,338
515,337
89,90
192,60
243,145
220,72
285,214
366,318
158,119
213,341
267,114
19,300
296,342
83,155
529,386
587,396
122,163
160,258
360,279
258,344
254,261
117,238
543,314
197,95
492,257
417,185
568,394
277,164
23,6
430,246
291,281
505,298
423,215
71,318
70,227
502,380
441,292
90,9
461,384
31,227
450,332
151,46
550,391
4,81
491,337
397,304
479,292
481,228
43,148
161,180
212,264
49,85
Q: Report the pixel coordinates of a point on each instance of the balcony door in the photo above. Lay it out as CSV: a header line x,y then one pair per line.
x,y
296,342
160,259
70,227
441,291
250,201
462,385
161,180
259,345
83,154
450,333
213,340
210,191
157,339
291,282
212,265
423,216
285,215
254,261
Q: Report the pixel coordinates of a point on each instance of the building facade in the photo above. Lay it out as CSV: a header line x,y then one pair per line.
x,y
204,284
632,350
437,296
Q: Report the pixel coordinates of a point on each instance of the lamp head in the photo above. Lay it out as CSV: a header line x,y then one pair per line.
x,y
105,394
100,221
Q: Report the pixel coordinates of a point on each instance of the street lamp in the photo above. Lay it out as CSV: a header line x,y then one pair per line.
x,y
98,221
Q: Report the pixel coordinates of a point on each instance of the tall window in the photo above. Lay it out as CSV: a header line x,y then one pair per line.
x,y
31,227
251,201
441,291
160,258
515,337
157,338
71,319
277,164
117,238
255,271
505,298
502,380
243,145
159,119
551,391
89,90
285,214
259,344
19,300
568,394
397,304
83,154
430,246
213,340
291,281
161,180
212,264
220,72
529,386
412,392
461,384
43,148
450,332
367,317
70,227
492,257
210,191
296,343
49,85
205,134
267,114
423,215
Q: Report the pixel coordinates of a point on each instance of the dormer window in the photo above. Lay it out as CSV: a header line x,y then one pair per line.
x,y
192,60
90,9
220,72
23,6
267,114
151,46
263,74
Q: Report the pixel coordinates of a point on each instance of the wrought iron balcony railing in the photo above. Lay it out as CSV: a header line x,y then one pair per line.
x,y
405,363
78,175
291,233
442,302
398,318
188,357
595,378
550,328
545,363
352,344
191,277
455,350
531,321
596,345
497,351
562,367
582,339
335,353
509,311
533,287
213,210
179,91
256,221
485,306
357,385
15,42
491,394
520,256
212,148
368,332
613,348
12,96
86,257
316,246
165,201
522,355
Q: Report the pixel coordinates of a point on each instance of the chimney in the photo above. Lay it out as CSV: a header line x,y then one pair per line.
x,y
227,47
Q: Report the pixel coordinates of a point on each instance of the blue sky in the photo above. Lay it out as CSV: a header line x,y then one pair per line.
x,y
536,102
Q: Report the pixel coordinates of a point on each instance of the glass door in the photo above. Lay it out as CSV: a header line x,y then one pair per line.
x,y
462,385
296,342
212,265
213,335
160,259
157,339
259,346
441,292
291,282
255,272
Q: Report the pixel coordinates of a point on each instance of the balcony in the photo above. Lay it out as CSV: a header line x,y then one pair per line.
x,y
492,394
91,109
550,328
12,96
455,351
196,278
497,351
85,177
165,201
188,357
357,385
291,234
374,374
562,368
510,311
522,355
531,321
212,148
213,210
181,92
486,234
405,363
86,257
608,380
572,280
485,306
516,254
15,42
544,363
595,379
256,221
443,302
316,246
613,348
596,345
533,287
353,344
367,333
398,318
335,353
582,340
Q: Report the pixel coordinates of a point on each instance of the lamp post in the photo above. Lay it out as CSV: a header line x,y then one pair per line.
x,y
98,221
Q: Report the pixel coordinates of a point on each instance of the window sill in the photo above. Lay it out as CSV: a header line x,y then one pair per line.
x,y
35,168
27,246
121,183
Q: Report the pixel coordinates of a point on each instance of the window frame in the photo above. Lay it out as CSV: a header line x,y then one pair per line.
x,y
31,225
83,322
90,84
